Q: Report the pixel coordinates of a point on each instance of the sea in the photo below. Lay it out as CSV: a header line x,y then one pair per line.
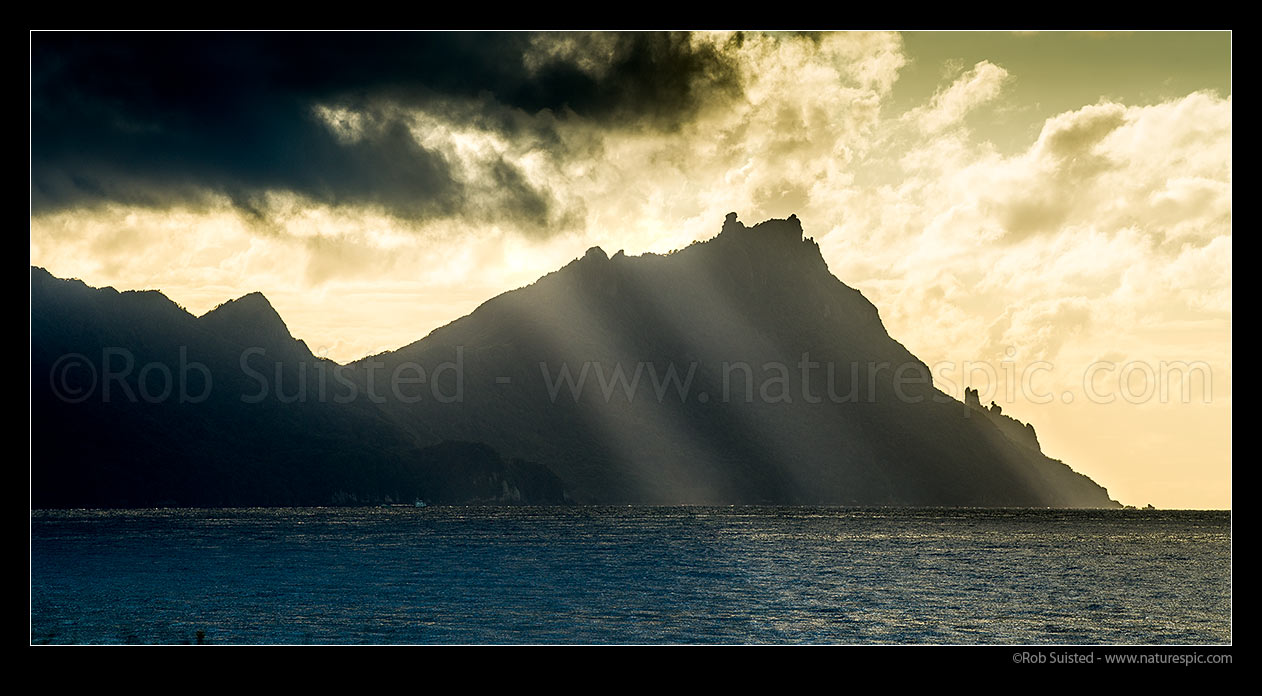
x,y
631,575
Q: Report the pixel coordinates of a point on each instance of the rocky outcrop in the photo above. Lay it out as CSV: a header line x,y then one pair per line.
x,y
1020,433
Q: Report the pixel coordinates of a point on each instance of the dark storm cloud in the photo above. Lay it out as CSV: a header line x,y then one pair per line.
x,y
155,118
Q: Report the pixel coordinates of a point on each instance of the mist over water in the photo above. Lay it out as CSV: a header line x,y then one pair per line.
x,y
630,575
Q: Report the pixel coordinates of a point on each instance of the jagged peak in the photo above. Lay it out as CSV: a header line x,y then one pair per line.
x,y
786,229
251,313
251,303
1017,431
779,231
972,398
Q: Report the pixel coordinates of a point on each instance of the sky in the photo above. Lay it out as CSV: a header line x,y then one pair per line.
x,y
1044,216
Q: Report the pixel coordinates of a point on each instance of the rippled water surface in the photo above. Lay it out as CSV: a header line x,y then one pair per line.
x,y
630,575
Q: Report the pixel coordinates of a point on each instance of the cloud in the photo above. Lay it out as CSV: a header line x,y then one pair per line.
x,y
1075,134
1037,331
949,106
161,119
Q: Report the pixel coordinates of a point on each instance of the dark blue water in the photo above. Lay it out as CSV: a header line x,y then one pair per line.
x,y
630,575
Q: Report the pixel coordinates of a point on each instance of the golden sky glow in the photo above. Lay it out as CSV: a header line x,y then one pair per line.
x,y
1029,206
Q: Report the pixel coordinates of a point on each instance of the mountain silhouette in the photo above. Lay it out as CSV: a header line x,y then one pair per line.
x,y
137,403
251,321
761,297
736,370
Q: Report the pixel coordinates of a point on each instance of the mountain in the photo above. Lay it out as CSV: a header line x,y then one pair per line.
x,y
251,320
736,370
762,378
137,403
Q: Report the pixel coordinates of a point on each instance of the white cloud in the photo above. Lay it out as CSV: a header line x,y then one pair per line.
x,y
948,107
